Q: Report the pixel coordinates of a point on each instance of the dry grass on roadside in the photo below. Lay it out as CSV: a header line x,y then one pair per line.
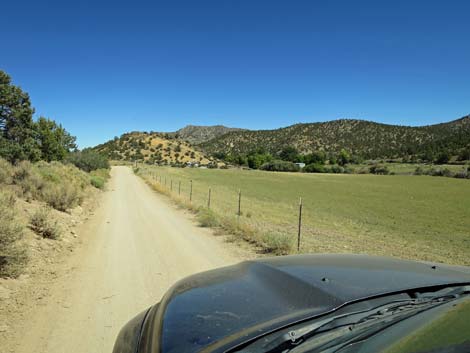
x,y
43,224
274,243
12,253
99,177
207,218
51,185
61,186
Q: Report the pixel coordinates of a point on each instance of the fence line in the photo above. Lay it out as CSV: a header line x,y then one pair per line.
x,y
158,178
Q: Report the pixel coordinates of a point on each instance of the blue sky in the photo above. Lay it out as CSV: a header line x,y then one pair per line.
x,y
102,68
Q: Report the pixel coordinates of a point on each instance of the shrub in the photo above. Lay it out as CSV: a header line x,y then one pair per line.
x,y
314,168
277,243
98,178
336,169
42,224
22,171
28,179
62,197
6,172
88,160
379,169
462,174
280,166
445,172
97,181
419,171
207,218
12,254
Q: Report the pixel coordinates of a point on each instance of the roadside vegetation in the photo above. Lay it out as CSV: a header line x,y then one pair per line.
x,y
41,168
414,217
12,254
42,223
49,187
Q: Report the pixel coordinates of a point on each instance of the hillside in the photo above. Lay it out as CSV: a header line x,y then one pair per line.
x,y
199,134
151,147
363,138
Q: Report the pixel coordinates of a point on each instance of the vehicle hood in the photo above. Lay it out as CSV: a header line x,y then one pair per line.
x,y
218,309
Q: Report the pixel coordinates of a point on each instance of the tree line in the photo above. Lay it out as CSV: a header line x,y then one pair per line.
x,y
256,159
23,138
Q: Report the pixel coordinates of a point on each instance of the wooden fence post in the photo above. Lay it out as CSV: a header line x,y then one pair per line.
x,y
191,191
300,224
171,185
239,203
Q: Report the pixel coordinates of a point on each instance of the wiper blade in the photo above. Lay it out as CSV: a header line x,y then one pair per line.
x,y
355,323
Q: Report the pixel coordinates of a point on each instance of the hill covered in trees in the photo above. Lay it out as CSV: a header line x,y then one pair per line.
x,y
151,147
363,139
197,134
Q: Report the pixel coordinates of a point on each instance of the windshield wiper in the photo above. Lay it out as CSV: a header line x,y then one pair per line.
x,y
336,330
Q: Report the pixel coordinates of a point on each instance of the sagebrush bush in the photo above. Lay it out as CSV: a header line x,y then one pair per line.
x,y
60,186
6,172
97,182
277,243
207,218
62,196
12,254
42,223
98,178
29,181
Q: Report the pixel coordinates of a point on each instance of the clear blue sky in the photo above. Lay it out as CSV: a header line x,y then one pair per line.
x,y
103,68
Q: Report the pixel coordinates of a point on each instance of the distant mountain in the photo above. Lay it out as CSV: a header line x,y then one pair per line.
x,y
363,138
151,147
198,134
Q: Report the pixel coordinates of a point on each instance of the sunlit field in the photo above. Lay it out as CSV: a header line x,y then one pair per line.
x,y
417,217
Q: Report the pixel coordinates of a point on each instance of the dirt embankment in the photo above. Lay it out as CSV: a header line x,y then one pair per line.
x,y
121,260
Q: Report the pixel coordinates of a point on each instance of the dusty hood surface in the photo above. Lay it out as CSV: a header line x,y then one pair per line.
x,y
215,310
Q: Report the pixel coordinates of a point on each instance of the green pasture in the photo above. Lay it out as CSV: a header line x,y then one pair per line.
x,y
417,217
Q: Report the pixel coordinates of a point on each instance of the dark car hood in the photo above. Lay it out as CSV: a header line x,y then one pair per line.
x,y
217,309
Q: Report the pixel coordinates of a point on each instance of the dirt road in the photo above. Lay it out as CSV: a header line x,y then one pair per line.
x,y
135,247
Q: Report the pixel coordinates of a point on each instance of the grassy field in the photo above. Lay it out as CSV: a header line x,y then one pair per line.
x,y
416,217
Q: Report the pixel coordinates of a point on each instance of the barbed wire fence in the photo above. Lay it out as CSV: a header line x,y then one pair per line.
x,y
163,183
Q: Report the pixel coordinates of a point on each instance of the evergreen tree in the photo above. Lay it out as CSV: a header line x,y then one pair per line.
x,y
53,140
17,133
